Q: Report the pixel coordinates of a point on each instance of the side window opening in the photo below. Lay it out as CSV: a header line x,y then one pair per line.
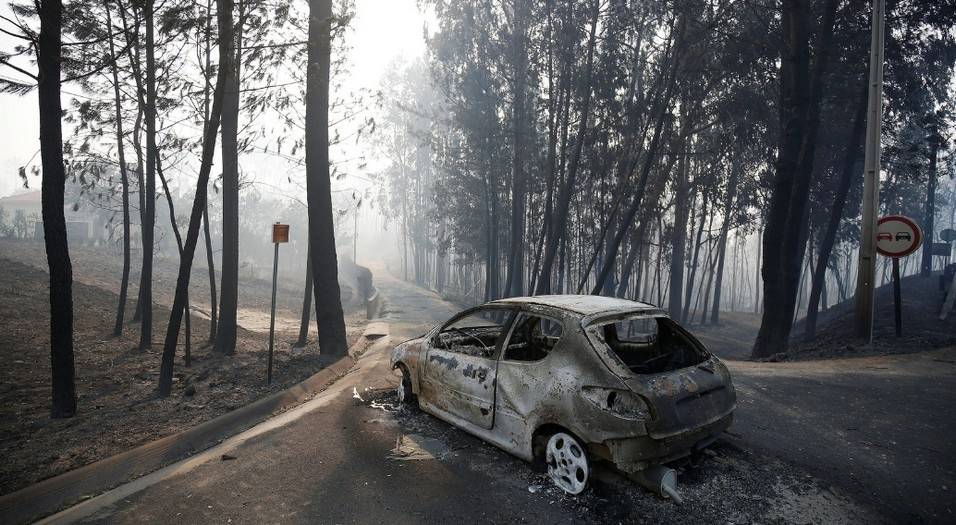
x,y
475,334
532,338
648,345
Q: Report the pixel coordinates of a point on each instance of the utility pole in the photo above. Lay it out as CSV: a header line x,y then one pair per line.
x,y
866,275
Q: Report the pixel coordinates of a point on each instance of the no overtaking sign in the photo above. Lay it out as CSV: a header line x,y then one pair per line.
x,y
897,236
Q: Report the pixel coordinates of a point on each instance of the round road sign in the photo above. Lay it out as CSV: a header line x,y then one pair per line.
x,y
897,236
948,235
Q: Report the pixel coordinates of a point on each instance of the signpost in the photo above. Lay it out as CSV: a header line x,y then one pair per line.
x,y
280,234
948,235
897,236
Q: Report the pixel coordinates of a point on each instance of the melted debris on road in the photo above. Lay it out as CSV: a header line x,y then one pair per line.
x,y
725,483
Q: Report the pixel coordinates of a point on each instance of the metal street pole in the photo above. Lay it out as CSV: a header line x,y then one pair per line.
x,y
280,234
272,318
866,274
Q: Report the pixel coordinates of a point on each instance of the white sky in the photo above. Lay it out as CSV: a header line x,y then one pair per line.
x,y
382,30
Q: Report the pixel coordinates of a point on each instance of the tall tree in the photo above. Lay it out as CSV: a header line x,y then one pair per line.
x,y
929,216
519,124
854,144
180,298
149,192
785,238
328,302
52,201
557,230
679,236
229,289
124,178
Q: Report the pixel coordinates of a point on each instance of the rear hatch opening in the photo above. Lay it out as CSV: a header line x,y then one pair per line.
x,y
685,388
646,344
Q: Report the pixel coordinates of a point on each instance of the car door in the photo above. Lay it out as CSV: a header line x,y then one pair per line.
x,y
460,367
525,373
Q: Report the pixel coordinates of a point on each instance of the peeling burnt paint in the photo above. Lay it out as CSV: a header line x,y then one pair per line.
x,y
448,362
480,373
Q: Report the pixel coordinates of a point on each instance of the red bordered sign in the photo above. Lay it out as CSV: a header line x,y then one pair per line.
x,y
897,236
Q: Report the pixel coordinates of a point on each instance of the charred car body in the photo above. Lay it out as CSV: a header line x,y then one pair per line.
x,y
571,379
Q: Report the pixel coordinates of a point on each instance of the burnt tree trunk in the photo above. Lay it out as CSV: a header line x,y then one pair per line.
x,y
199,202
786,232
210,260
229,288
558,229
179,246
124,177
650,156
303,339
679,235
328,303
149,196
847,172
729,200
929,217
695,260
515,279
211,265
52,202
133,52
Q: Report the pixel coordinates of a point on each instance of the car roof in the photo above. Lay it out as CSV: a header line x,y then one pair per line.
x,y
582,304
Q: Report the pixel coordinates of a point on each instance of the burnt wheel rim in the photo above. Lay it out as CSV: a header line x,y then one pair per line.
x,y
567,463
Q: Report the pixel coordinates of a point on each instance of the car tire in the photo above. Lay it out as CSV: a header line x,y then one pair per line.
x,y
567,462
406,397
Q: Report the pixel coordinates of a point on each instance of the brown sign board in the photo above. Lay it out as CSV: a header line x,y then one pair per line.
x,y
280,233
941,248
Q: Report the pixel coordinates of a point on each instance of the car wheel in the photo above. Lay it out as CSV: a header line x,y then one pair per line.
x,y
404,390
567,463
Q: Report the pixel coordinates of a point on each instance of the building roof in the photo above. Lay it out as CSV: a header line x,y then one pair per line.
x,y
25,198
582,304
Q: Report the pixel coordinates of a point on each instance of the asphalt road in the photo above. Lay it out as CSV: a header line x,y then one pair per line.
x,y
865,440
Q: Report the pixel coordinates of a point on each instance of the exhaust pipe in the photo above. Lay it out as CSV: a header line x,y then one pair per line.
x,y
659,480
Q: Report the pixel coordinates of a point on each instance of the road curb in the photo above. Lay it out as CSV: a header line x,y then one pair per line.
x,y
50,495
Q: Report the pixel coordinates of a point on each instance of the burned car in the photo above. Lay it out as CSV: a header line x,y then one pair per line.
x,y
571,380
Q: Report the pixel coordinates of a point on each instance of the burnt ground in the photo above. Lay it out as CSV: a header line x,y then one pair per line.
x,y
922,329
733,337
116,382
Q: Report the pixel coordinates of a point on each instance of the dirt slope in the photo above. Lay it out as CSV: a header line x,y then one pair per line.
x,y
116,382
